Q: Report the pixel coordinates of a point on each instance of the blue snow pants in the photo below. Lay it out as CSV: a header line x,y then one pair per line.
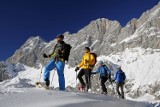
x,y
59,65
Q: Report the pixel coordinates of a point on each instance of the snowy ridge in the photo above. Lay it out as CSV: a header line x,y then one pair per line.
x,y
32,42
148,25
155,13
136,34
127,39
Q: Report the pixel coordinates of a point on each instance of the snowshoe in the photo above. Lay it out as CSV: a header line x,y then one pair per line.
x,y
42,85
121,96
104,93
81,88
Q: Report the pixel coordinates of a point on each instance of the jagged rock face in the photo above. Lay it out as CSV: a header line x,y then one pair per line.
x,y
99,35
102,36
3,72
30,53
146,31
106,37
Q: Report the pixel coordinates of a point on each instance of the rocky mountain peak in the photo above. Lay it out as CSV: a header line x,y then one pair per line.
x,y
29,52
103,36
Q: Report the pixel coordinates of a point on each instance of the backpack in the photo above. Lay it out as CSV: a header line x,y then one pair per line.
x,y
66,49
95,58
105,71
108,76
123,76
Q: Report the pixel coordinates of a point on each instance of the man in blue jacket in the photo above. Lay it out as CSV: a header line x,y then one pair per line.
x,y
120,80
105,74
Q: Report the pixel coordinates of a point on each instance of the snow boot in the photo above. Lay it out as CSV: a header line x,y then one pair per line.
x,y
47,82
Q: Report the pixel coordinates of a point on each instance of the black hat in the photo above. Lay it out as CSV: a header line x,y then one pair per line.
x,y
60,36
87,48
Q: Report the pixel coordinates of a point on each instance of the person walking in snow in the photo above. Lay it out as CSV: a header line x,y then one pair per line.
x,y
87,64
120,80
57,61
105,74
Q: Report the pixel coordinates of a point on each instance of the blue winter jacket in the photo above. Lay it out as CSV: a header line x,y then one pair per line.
x,y
101,70
120,76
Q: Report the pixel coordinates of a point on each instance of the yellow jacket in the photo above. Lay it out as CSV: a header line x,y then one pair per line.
x,y
87,62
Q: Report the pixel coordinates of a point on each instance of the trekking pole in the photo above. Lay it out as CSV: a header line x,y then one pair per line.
x,y
38,82
90,83
53,77
112,87
41,73
113,91
76,80
76,72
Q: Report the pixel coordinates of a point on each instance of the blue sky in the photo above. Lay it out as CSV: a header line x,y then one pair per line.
x,y
20,19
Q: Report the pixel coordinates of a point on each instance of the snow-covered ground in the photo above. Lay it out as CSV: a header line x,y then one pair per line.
x,y
50,98
141,68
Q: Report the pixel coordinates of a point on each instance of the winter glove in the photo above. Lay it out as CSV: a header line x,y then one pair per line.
x,y
45,56
113,80
77,68
123,82
49,55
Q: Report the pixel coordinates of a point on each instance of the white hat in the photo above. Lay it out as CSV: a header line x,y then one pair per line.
x,y
101,62
119,67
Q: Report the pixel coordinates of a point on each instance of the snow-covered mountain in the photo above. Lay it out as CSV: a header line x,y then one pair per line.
x,y
104,36
29,52
135,47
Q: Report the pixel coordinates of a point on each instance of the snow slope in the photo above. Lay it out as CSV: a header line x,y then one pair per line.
x,y
28,76
141,68
140,65
50,98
